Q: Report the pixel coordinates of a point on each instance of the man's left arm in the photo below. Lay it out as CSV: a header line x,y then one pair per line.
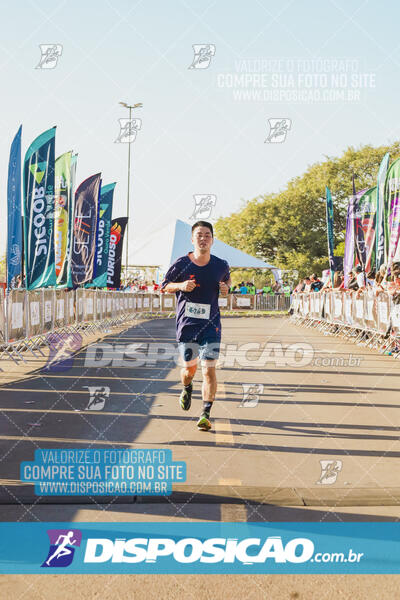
x,y
225,283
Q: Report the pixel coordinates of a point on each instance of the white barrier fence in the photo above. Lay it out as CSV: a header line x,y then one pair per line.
x,y
26,314
370,317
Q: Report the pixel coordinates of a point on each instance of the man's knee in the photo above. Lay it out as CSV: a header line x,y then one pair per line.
x,y
209,372
189,371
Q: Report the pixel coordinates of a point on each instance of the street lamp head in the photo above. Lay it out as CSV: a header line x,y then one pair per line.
x,y
138,105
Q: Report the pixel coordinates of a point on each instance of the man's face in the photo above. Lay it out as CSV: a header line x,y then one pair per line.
x,y
202,239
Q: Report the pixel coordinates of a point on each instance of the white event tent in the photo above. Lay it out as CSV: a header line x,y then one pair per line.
x,y
164,246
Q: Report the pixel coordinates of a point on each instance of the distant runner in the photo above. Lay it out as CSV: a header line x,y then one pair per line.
x,y
197,279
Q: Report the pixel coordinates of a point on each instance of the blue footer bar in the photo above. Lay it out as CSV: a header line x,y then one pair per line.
x,y
213,548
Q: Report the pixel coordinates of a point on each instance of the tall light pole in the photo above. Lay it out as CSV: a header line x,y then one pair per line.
x,y
129,129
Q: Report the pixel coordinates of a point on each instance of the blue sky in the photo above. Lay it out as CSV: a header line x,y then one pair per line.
x,y
196,137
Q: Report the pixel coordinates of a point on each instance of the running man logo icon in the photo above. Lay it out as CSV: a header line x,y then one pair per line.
x,y
251,394
62,350
278,129
61,551
203,54
329,471
203,205
128,129
98,397
50,55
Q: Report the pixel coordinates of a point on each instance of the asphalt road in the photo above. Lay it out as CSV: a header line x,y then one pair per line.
x,y
315,398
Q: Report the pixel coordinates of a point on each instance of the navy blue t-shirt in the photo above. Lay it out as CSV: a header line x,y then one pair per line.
x,y
197,312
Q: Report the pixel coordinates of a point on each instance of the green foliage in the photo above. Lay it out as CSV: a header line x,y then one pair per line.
x,y
257,276
3,268
288,229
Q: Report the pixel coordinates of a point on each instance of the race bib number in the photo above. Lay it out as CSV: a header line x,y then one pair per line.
x,y
198,311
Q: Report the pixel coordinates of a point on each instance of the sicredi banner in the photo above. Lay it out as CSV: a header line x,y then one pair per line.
x,y
62,214
115,252
39,211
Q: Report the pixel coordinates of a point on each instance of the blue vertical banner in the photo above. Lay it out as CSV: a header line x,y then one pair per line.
x,y
84,230
103,236
39,211
14,221
329,229
380,212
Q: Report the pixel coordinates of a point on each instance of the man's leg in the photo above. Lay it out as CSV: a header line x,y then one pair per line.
x,y
187,374
209,387
209,353
189,357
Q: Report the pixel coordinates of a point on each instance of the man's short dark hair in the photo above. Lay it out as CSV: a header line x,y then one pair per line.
x,y
203,224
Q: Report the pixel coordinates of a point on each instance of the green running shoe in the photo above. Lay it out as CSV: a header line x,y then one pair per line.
x,y
185,399
204,423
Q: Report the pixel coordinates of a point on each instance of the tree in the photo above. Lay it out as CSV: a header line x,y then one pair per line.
x,y
288,229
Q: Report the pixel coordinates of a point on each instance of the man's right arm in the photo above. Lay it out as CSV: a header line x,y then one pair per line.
x,y
171,288
182,286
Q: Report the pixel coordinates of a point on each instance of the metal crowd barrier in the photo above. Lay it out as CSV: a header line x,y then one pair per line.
x,y
235,302
30,320
368,318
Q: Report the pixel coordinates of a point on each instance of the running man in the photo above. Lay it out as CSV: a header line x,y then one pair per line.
x,y
62,549
197,279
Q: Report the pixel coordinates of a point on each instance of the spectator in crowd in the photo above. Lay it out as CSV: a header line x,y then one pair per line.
x,y
307,284
267,290
338,278
277,288
243,288
360,277
379,285
300,286
352,283
316,283
328,283
155,286
251,287
286,289
393,287
371,278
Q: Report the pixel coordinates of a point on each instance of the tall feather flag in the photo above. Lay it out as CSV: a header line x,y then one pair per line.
x,y
380,213
329,229
14,221
62,215
39,211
